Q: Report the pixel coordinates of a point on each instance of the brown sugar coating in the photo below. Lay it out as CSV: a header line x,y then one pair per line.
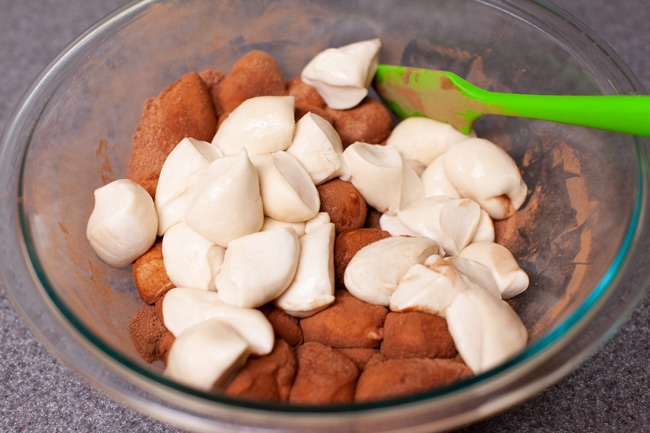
x,y
348,322
149,335
401,377
417,335
324,375
255,74
369,122
286,327
184,109
346,246
268,377
150,276
344,204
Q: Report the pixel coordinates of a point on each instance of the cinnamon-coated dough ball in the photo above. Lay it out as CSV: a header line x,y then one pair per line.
x,y
400,377
255,74
372,218
149,336
213,79
165,346
149,185
362,357
369,122
416,334
306,95
348,243
183,109
348,322
325,375
286,327
301,110
307,99
267,377
344,204
150,276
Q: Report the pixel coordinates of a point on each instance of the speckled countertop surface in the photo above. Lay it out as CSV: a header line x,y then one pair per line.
x,y
608,393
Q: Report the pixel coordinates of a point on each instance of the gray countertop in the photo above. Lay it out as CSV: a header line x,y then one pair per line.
x,y
608,393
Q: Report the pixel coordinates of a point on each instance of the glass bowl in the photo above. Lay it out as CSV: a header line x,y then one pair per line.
x,y
580,236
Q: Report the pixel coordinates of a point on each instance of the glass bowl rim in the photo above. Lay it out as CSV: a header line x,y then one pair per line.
x,y
551,339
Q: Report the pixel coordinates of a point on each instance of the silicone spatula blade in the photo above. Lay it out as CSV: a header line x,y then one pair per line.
x,y
446,97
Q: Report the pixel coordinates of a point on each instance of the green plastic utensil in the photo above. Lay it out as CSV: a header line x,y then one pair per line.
x,y
446,97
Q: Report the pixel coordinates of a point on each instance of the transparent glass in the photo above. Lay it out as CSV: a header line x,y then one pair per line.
x,y
581,235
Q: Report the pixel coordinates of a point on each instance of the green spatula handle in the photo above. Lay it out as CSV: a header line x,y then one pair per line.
x,y
628,114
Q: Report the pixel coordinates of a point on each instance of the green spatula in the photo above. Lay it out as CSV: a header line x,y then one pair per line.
x,y
446,97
